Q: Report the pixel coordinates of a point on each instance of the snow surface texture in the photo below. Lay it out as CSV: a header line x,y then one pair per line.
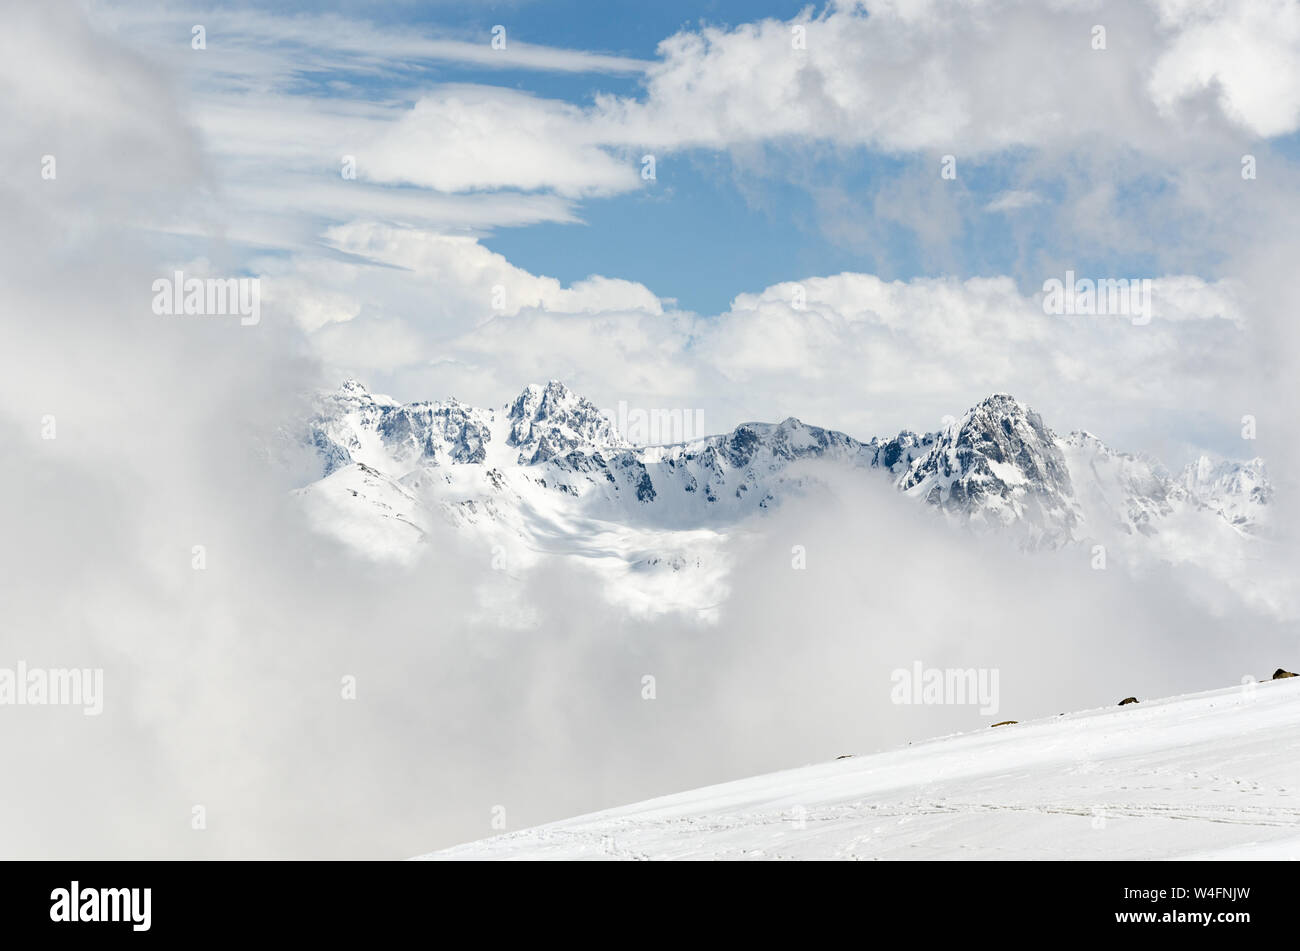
x,y
548,475
1212,775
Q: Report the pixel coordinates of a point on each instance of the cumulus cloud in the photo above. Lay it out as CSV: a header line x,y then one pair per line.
x,y
940,75
1243,55
850,351
468,138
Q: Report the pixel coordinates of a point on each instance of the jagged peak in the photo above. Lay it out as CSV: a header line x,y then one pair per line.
x,y
353,387
1000,404
551,419
1206,470
538,397
557,387
353,390
1206,461
997,410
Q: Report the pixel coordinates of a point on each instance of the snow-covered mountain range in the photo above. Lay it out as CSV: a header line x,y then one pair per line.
x,y
548,473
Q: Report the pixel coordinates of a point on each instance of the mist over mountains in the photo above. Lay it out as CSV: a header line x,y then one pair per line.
x,y
549,474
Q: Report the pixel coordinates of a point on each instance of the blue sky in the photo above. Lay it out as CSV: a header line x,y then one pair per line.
x,y
778,167
714,224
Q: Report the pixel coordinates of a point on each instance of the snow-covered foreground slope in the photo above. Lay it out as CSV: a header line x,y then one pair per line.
x,y
1209,775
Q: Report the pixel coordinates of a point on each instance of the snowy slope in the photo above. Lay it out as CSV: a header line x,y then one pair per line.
x,y
1209,775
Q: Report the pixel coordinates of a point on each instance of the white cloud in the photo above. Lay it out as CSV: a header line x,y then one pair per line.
x,y
860,342
261,48
1013,200
970,75
464,138
1246,55
850,351
464,268
973,77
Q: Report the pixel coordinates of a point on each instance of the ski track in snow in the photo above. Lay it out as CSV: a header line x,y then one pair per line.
x,y
1204,776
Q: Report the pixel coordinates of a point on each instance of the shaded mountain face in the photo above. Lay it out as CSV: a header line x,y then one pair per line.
x,y
548,466
999,465
552,420
550,437
354,426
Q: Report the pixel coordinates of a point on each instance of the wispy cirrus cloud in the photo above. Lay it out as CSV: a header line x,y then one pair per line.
x,y
256,48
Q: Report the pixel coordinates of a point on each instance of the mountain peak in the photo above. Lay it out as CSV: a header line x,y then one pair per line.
x,y
352,390
1001,404
1236,490
555,389
551,420
353,393
999,464
1000,416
